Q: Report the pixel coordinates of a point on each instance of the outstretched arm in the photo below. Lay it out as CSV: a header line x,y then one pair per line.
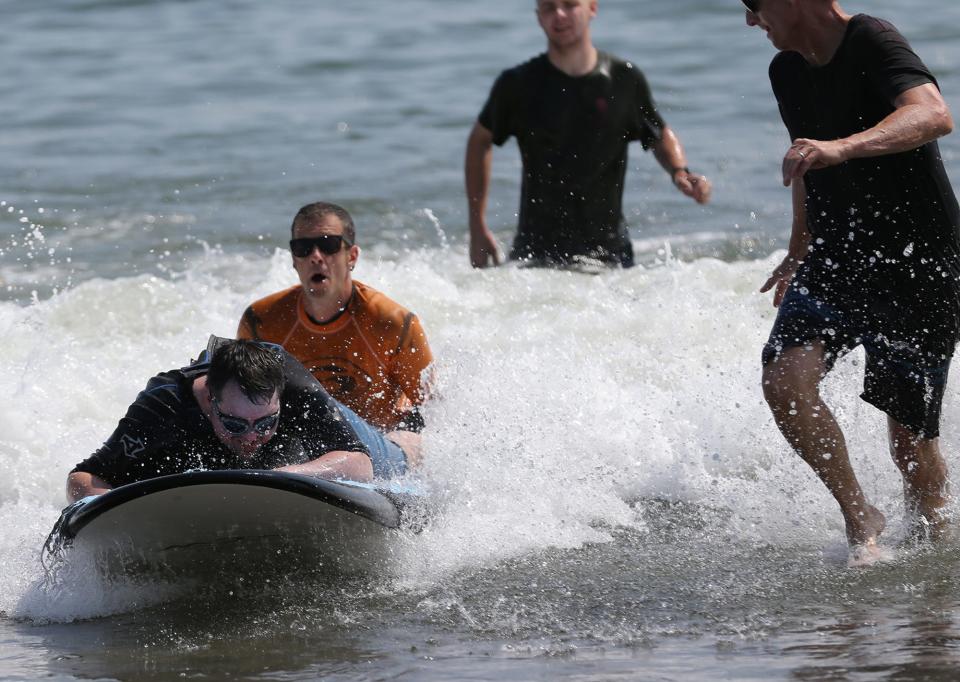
x,y
921,116
353,466
669,153
783,274
483,245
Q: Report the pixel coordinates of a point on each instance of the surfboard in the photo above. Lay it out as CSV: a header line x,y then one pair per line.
x,y
203,521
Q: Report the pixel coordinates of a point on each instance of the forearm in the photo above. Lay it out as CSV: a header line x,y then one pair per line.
x,y
669,152
905,129
80,484
800,232
477,169
921,116
354,466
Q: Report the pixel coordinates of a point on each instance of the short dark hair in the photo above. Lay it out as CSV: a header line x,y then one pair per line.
x,y
256,367
311,214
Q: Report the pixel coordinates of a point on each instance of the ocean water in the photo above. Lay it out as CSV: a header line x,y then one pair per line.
x,y
613,500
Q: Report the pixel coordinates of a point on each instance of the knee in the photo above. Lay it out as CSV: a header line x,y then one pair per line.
x,y
785,387
776,389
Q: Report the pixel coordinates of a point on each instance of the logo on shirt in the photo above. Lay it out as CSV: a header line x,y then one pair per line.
x,y
340,381
131,446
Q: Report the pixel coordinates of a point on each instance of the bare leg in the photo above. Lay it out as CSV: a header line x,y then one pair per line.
x,y
925,487
791,386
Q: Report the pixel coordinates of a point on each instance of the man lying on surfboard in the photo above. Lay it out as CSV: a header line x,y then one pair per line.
x,y
242,405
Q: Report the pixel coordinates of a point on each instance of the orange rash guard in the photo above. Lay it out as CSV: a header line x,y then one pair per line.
x,y
370,358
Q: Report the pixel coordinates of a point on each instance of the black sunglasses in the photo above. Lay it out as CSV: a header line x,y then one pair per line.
x,y
327,243
238,426
752,5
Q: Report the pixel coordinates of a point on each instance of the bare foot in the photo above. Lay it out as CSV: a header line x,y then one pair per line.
x,y
865,527
926,526
868,554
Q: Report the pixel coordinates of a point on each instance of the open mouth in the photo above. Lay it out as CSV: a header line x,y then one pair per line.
x,y
318,278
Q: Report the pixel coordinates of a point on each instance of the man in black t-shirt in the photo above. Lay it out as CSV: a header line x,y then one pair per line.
x,y
243,405
874,255
573,111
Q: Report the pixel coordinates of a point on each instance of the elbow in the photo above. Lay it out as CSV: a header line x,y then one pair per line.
x,y
947,127
480,140
943,121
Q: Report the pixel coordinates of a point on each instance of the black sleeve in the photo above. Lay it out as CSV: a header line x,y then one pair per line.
x,y
889,62
131,452
314,415
648,125
783,77
497,113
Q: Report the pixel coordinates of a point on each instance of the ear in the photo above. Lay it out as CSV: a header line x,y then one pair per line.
x,y
592,6
354,255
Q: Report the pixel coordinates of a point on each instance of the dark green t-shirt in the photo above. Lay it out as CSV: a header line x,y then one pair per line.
x,y
573,134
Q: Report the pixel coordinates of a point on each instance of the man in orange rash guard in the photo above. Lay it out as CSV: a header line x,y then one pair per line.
x,y
367,351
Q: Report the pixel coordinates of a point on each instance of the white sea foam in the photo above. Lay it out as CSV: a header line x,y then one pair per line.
x,y
562,400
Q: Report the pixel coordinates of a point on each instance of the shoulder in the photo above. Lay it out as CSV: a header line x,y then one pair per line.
x,y
380,307
786,62
618,66
626,77
866,28
278,300
166,385
163,397
270,316
533,68
877,39
785,68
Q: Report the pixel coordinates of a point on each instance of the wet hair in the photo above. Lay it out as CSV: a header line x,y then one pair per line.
x,y
256,367
311,214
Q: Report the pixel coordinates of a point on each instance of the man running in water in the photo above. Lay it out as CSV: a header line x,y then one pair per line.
x,y
242,405
573,111
874,255
369,352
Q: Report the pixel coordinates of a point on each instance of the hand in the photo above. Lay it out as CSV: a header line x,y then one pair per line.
x,y
781,278
483,248
805,155
695,186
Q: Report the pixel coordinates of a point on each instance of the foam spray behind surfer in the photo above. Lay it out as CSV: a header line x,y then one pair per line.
x,y
874,255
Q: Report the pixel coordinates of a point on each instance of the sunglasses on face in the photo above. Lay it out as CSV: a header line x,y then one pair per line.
x,y
238,426
752,5
328,244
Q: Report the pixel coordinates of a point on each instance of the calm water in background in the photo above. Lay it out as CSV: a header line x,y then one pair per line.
x,y
151,157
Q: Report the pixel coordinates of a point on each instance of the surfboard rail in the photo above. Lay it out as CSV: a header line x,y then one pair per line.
x,y
172,518
368,502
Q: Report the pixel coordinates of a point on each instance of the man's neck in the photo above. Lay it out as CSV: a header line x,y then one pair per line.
x,y
825,34
576,60
328,307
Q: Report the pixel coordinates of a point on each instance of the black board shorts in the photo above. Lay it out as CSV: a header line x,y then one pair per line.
x,y
904,379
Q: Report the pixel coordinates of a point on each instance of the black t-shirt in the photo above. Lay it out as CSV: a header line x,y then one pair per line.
x,y
165,432
884,229
573,134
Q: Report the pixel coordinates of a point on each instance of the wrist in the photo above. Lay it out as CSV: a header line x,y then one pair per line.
x,y
674,172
